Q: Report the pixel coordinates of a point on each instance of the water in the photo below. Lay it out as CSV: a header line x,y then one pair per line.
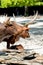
x,y
36,31
35,42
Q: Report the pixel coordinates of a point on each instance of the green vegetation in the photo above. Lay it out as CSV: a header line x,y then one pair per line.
x,y
20,3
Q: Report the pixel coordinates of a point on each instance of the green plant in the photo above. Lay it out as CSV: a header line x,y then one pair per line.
x,y
20,3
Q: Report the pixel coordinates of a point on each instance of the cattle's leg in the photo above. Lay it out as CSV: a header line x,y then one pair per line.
x,y
8,45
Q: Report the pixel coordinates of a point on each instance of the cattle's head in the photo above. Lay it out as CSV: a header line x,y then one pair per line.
x,y
25,32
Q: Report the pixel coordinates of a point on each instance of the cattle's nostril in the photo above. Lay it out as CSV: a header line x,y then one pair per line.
x,y
28,36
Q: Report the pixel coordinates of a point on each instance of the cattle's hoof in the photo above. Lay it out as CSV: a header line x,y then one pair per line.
x,y
17,47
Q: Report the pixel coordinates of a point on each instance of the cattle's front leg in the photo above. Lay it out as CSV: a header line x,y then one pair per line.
x,y
8,45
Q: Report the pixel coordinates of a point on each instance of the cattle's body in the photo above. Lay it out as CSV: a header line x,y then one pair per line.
x,y
16,31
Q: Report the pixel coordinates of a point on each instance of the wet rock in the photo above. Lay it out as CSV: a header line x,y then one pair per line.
x,y
30,57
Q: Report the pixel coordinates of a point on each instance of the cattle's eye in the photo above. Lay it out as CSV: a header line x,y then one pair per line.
x,y
27,29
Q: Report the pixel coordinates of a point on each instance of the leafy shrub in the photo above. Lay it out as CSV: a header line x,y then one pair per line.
x,y
19,3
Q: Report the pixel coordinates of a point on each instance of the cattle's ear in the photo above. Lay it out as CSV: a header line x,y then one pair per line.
x,y
8,19
8,22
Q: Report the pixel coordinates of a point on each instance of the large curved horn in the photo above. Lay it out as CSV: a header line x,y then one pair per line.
x,y
6,15
32,21
14,16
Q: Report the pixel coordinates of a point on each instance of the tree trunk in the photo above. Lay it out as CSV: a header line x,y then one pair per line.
x,y
26,11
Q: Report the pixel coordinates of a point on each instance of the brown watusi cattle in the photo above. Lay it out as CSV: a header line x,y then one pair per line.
x,y
11,32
